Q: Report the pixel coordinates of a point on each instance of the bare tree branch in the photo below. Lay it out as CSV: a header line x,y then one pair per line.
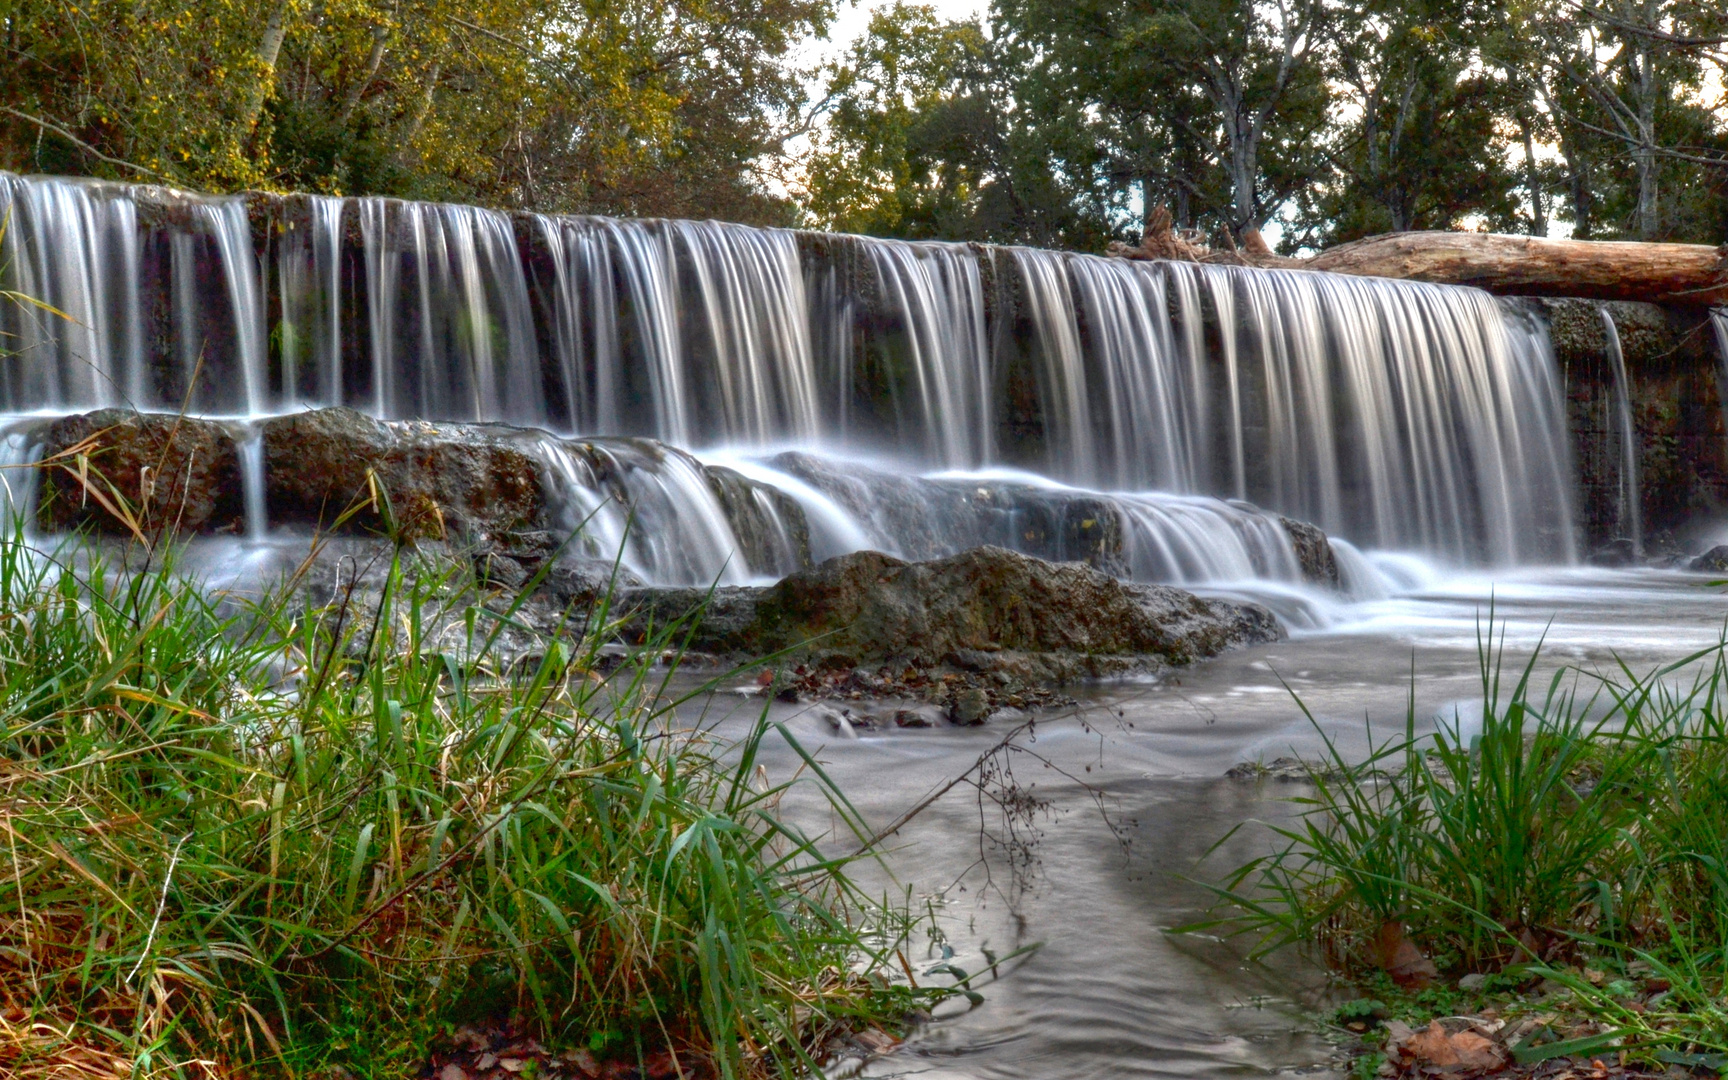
x,y
81,144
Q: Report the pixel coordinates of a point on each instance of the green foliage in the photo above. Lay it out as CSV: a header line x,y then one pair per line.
x,y
908,145
1056,122
275,837
1065,122
917,142
609,105
1360,1009
1570,826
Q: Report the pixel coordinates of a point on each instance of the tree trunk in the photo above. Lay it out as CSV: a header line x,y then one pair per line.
x,y
374,61
1533,184
269,48
1692,274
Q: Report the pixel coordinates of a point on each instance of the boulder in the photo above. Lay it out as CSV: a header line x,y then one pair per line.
x,y
769,524
167,473
987,602
1313,552
1618,552
457,481
1714,561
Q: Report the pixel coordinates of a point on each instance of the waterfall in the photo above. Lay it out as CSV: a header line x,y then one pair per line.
x,y
1631,515
937,294
717,330
657,509
1719,323
1147,536
249,445
309,329
1399,414
1394,414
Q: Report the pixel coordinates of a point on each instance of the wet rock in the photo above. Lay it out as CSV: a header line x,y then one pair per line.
x,y
166,473
839,721
970,707
1284,768
418,480
1714,561
987,607
769,524
1671,363
1313,552
573,579
1620,551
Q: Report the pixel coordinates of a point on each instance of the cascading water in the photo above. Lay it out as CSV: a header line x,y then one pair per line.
x,y
1631,516
1719,323
1395,414
309,327
1399,414
716,330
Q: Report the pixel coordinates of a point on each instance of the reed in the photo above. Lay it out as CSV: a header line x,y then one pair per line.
x,y
275,836
1582,828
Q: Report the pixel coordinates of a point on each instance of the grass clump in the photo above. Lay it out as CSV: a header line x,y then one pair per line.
x,y
276,837
1574,849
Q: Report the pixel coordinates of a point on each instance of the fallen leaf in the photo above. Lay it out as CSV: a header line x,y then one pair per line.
x,y
1462,1054
452,1071
875,1040
1401,959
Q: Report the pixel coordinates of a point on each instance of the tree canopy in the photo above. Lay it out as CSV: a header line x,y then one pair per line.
x,y
1336,119
619,106
1054,122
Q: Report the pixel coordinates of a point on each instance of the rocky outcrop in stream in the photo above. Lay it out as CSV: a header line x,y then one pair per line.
x,y
114,469
515,497
985,611
431,481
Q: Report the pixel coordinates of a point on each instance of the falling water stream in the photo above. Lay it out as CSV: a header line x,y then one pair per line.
x,y
1631,518
674,379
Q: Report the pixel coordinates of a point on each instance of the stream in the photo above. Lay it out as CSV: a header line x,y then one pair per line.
x,y
1109,992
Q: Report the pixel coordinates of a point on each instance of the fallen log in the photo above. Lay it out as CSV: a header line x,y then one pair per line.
x,y
1690,274
1683,274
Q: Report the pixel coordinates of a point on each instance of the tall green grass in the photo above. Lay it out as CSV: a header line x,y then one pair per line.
x,y
1587,820
269,836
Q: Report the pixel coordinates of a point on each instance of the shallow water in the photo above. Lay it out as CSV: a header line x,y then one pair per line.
x,y
1109,993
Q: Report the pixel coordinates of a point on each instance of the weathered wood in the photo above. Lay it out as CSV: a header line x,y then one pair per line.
x,y
1606,270
1692,274
1684,274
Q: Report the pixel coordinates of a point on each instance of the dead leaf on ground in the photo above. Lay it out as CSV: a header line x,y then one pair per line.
x,y
1436,1051
1401,959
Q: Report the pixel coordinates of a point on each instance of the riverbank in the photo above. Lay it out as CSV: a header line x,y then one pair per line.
x,y
274,837
1536,878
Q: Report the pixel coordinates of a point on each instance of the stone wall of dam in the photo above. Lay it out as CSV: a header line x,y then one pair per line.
x,y
1673,360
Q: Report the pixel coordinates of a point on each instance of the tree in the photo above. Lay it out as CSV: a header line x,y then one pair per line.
x,y
910,140
610,105
1214,100
1629,74
920,135
1421,146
